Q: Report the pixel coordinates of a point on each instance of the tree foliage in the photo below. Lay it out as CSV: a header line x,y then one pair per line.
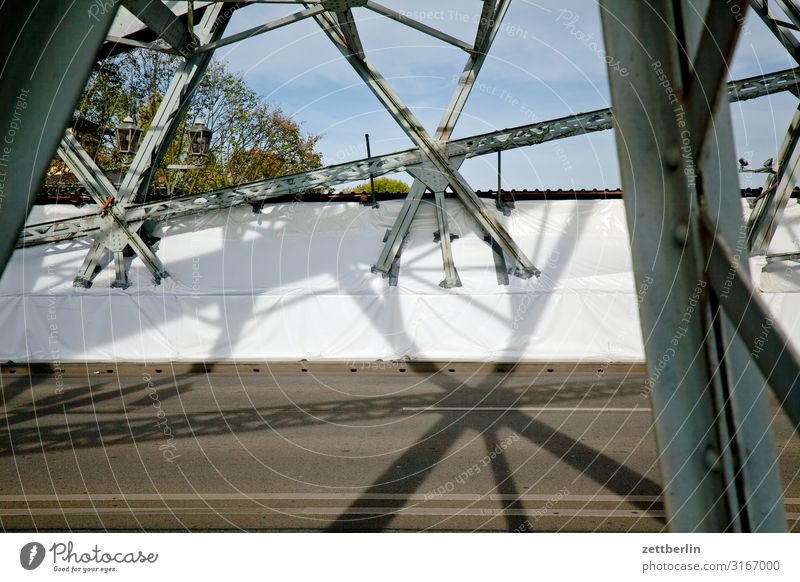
x,y
252,139
382,185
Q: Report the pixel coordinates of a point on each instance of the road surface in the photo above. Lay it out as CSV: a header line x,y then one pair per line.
x,y
385,447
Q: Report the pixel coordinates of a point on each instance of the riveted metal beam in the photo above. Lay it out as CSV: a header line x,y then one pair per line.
x,y
118,233
417,25
165,23
477,145
711,412
173,106
488,26
48,49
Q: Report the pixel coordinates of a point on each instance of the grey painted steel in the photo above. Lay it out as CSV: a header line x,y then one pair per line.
x,y
415,24
394,272
172,108
372,201
745,419
500,267
790,9
126,24
438,184
165,23
451,278
706,82
522,136
709,485
787,39
767,212
491,20
777,358
341,30
791,256
488,26
778,188
103,192
48,49
153,46
145,162
256,30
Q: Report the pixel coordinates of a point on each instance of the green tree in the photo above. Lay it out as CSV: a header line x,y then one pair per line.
x,y
382,185
252,139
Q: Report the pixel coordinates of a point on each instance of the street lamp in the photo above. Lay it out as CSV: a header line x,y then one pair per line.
x,y
199,137
128,134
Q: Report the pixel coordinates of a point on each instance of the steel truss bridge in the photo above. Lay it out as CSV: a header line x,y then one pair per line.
x,y
710,405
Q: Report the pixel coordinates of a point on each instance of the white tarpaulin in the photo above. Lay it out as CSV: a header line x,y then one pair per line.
x,y
294,283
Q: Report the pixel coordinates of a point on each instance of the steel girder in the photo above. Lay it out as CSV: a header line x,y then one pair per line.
x,y
115,228
767,212
48,48
433,180
777,27
261,29
164,23
778,188
491,18
338,24
675,146
411,23
163,126
522,136
117,231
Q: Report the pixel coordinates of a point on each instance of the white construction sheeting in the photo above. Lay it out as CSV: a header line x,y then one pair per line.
x,y
294,283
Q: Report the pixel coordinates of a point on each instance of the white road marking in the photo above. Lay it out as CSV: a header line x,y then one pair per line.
x,y
320,497
432,511
429,511
521,408
600,498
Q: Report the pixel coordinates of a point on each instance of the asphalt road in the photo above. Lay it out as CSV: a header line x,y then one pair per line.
x,y
336,450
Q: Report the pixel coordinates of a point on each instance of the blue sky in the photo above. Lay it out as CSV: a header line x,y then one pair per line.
x,y
539,68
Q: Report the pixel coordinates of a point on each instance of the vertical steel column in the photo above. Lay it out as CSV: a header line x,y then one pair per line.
x,y
740,387
451,278
438,184
708,409
372,199
48,48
